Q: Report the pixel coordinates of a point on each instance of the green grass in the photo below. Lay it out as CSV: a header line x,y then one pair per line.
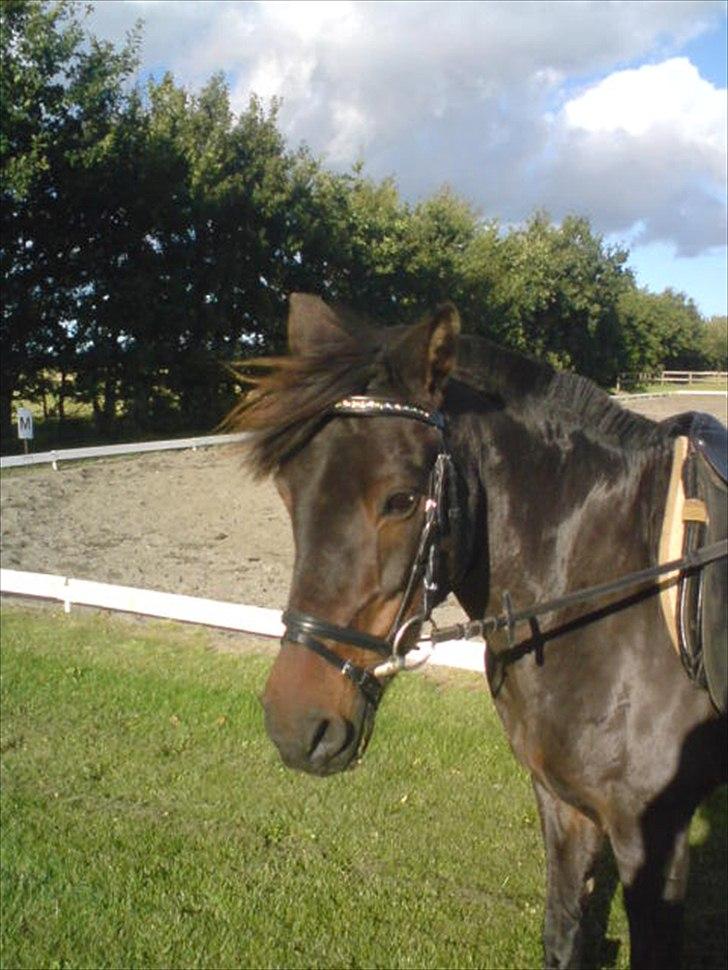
x,y
147,822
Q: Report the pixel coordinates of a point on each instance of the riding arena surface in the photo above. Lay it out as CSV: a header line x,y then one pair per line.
x,y
189,522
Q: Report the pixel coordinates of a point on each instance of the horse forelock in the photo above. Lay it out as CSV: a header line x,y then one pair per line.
x,y
290,396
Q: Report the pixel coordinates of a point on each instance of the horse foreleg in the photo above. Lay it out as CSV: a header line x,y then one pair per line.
x,y
573,843
653,862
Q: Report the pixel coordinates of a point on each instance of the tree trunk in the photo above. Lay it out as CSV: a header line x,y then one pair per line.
x,y
6,415
62,398
109,409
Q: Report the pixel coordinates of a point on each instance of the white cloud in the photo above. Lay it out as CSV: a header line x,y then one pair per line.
x,y
487,96
276,77
656,97
646,149
351,125
310,20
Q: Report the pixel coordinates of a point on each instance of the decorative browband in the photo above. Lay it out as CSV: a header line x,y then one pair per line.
x,y
380,406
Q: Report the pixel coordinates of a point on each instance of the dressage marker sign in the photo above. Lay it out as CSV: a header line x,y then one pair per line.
x,y
25,427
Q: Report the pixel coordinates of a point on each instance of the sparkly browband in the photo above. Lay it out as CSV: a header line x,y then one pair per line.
x,y
375,406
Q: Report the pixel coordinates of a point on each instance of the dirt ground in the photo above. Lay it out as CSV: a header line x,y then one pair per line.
x,y
184,522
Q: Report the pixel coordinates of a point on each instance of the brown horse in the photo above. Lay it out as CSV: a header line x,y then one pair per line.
x,y
547,486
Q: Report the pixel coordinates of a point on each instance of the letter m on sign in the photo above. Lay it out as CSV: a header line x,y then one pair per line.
x,y
25,423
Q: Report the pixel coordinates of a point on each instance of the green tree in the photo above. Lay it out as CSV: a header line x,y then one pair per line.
x,y
557,290
61,93
641,326
359,243
221,240
714,343
680,330
440,233
659,331
346,236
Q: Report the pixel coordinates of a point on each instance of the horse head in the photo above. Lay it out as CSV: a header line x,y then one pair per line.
x,y
355,483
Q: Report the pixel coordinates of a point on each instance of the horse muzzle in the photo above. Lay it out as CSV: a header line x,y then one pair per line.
x,y
315,727
321,744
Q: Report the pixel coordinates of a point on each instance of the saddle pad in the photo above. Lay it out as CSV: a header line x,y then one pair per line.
x,y
671,538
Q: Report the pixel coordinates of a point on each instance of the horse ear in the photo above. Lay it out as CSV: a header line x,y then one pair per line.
x,y
425,355
444,330
312,324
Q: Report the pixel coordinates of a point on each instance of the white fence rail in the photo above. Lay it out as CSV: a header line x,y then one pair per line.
x,y
108,451
645,395
255,620
692,376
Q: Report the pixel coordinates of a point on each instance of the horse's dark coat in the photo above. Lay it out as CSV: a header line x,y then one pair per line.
x,y
561,489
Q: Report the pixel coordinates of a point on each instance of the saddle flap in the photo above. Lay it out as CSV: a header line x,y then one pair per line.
x,y
709,438
713,602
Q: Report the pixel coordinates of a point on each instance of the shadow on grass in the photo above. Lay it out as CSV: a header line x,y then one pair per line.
x,y
706,928
600,950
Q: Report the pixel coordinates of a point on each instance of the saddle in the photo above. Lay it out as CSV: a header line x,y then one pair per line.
x,y
695,602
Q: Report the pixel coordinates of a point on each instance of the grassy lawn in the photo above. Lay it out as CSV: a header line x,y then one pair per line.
x,y
147,822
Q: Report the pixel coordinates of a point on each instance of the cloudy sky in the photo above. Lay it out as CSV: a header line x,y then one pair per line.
x,y
615,109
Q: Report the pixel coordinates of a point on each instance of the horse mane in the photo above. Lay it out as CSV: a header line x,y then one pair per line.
x,y
291,396
535,389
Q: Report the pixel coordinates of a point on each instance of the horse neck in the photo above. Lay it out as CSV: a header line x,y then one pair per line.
x,y
551,509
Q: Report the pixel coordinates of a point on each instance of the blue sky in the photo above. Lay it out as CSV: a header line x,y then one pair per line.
x,y
613,109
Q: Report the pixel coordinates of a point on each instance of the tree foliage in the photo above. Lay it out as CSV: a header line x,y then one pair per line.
x,y
714,345
149,234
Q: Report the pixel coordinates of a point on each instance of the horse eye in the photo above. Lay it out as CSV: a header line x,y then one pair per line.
x,y
400,504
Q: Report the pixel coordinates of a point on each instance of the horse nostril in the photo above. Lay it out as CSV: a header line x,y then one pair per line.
x,y
318,736
329,738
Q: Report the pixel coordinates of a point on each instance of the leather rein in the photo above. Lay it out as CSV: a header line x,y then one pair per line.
x,y
440,512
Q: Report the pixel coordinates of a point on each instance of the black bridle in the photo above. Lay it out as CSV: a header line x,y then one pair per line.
x,y
440,510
